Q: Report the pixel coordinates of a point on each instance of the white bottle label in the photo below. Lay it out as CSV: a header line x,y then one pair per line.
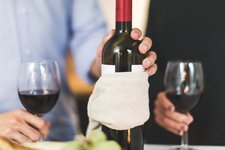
x,y
108,69
111,68
137,68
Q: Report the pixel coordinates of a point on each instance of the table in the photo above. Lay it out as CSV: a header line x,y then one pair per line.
x,y
59,146
167,147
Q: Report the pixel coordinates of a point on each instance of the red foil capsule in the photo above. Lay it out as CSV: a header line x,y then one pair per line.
x,y
123,10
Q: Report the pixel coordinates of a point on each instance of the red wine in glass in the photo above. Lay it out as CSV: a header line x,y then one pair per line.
x,y
39,86
182,102
38,101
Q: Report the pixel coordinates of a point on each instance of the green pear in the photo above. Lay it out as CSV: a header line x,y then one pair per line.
x,y
95,137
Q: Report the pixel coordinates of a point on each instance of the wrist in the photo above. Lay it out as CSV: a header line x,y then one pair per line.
x,y
95,71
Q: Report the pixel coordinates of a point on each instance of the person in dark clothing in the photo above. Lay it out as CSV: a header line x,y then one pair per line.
x,y
194,30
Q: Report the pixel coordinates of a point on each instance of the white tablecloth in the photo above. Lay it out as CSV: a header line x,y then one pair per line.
x,y
60,145
168,147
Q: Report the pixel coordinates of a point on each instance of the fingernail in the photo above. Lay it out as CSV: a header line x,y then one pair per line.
x,y
170,108
147,62
150,73
144,47
136,35
185,128
181,133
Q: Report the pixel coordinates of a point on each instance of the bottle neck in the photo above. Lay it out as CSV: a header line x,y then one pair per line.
x,y
123,16
122,27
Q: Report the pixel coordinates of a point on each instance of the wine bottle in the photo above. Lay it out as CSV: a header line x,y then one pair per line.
x,y
121,54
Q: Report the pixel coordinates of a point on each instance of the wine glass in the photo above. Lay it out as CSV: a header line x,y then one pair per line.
x,y
184,85
39,86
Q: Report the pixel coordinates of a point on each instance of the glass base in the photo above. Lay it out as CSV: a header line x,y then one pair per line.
x,y
182,148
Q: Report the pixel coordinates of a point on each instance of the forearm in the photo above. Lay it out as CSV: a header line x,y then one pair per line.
x,y
88,32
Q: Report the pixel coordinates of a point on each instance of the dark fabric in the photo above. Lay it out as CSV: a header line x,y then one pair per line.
x,y
191,29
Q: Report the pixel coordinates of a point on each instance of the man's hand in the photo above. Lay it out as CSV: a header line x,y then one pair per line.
x,y
148,63
21,126
168,118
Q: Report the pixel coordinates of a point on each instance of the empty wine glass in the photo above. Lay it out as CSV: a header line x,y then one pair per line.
x,y
183,83
39,86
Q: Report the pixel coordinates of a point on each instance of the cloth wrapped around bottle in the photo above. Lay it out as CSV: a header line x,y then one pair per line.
x,y
119,101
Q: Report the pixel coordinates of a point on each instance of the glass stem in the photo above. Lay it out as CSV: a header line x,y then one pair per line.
x,y
184,140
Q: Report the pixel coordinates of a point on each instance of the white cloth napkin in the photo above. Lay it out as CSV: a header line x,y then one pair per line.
x,y
119,101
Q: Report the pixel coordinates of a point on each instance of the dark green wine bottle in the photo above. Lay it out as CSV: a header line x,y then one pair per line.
x,y
121,54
